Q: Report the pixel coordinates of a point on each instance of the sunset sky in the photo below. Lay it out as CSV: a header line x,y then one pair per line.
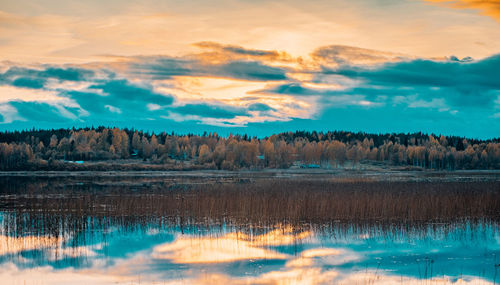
x,y
256,67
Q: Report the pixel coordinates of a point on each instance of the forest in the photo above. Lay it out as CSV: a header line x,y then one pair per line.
x,y
122,149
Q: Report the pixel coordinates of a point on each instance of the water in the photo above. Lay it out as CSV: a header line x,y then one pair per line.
x,y
157,230
90,250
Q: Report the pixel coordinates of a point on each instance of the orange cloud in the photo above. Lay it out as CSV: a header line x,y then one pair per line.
x,y
487,7
215,53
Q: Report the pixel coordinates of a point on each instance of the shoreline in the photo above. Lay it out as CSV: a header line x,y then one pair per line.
x,y
340,174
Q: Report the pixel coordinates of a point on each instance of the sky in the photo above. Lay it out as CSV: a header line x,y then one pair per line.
x,y
255,67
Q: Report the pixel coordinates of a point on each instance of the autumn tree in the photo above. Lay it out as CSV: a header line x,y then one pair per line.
x,y
205,155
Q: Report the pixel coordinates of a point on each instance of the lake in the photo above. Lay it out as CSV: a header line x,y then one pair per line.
x,y
199,230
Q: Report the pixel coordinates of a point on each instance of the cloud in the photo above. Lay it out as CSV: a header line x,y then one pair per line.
x,y
348,55
163,67
106,98
113,109
44,112
487,7
216,53
118,97
237,50
71,74
34,83
257,91
260,107
294,88
448,96
123,91
166,67
252,71
37,78
462,84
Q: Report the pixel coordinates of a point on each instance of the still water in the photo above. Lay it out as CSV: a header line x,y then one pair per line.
x,y
58,250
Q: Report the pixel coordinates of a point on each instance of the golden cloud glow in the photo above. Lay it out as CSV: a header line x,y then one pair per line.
x,y
487,7
237,93
206,88
222,53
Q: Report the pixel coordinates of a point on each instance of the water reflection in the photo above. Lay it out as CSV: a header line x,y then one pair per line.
x,y
230,247
104,251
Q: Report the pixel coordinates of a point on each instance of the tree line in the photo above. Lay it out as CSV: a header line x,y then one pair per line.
x,y
43,149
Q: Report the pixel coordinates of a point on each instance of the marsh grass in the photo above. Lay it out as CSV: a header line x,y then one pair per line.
x,y
266,202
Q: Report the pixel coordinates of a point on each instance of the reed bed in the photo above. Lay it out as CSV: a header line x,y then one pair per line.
x,y
273,201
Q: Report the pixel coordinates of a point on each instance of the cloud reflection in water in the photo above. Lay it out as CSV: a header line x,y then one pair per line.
x,y
280,256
